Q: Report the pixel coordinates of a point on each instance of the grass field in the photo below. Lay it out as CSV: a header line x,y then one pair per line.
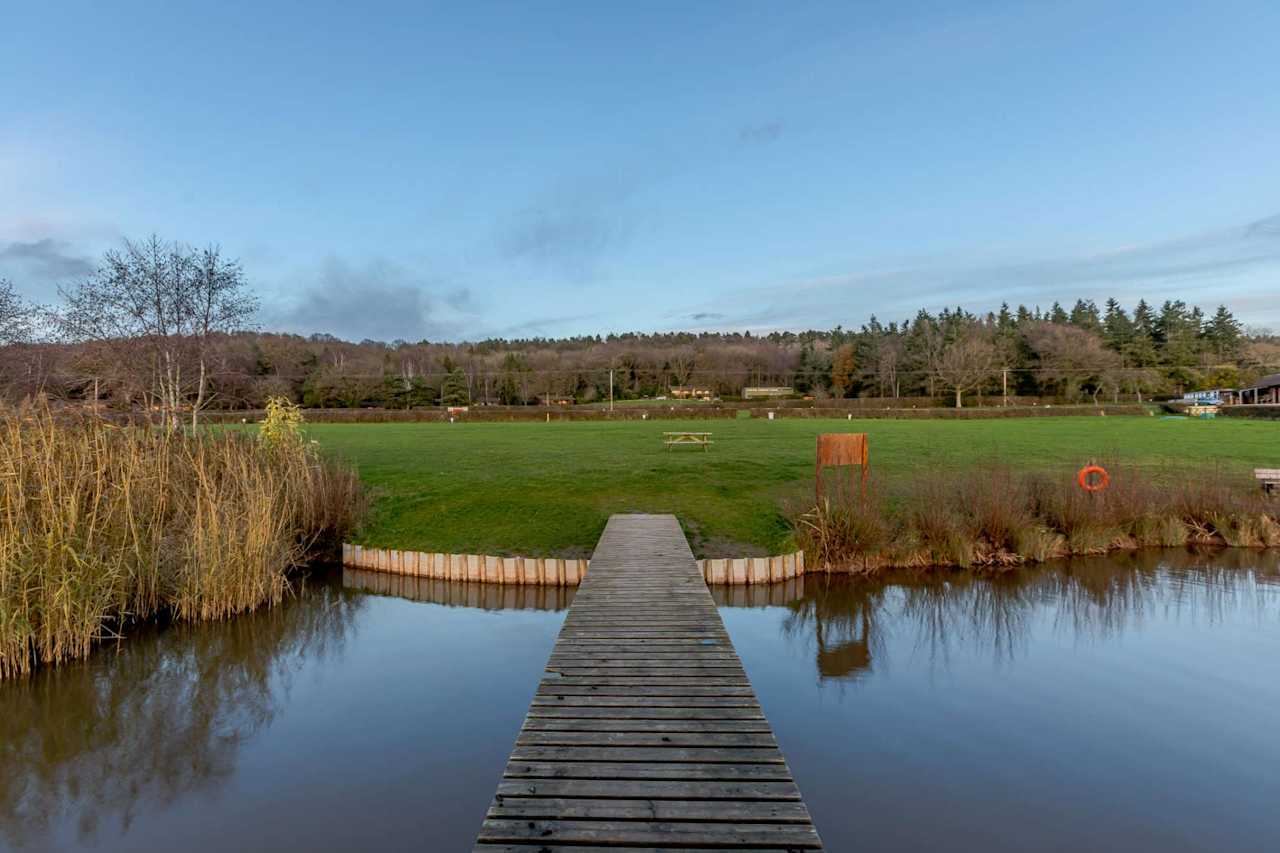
x,y
543,489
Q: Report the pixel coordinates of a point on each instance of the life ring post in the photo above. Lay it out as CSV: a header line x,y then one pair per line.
x,y
1093,478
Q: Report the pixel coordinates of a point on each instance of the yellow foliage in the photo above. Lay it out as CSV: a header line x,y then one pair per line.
x,y
283,422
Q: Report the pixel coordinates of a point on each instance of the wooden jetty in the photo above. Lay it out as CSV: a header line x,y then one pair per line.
x,y
645,733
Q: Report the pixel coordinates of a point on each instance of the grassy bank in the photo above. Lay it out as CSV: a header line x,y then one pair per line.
x,y
547,489
995,518
103,525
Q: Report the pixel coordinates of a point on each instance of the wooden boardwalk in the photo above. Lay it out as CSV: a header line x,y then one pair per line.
x,y
645,733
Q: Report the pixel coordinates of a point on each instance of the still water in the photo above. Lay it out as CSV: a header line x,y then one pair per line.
x,y
1120,703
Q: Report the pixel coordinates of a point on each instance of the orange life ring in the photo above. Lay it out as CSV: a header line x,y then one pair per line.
x,y
1104,479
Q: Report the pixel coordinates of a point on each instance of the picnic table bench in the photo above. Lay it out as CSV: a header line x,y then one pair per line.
x,y
693,439
1270,479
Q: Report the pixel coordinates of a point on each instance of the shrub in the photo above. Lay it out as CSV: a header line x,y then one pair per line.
x,y
991,517
282,422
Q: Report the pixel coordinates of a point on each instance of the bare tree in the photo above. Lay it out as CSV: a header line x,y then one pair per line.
x,y
158,306
1073,361
682,362
885,356
966,363
15,315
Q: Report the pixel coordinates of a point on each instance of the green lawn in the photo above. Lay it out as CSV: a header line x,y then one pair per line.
x,y
548,488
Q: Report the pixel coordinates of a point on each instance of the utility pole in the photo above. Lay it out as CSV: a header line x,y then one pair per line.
x,y
611,389
1004,384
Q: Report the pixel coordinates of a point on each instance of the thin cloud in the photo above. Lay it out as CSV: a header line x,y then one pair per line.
x,y
762,133
1212,267
377,300
545,325
566,238
573,228
47,260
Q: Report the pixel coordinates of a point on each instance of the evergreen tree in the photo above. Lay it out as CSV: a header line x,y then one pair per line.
x,y
453,392
1057,314
1177,333
812,374
1117,328
1223,334
1084,315
1144,322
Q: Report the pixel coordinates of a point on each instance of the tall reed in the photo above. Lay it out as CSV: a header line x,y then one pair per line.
x,y
102,525
991,517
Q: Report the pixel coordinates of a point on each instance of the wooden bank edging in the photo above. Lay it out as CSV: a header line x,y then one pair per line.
x,y
546,571
551,571
744,570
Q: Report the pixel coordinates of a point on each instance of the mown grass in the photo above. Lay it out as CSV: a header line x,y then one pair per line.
x,y
104,525
547,489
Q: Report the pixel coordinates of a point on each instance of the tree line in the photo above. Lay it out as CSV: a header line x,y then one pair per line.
x,y
168,327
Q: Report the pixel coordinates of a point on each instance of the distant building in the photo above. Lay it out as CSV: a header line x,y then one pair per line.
x,y
1265,390
1215,397
690,392
766,393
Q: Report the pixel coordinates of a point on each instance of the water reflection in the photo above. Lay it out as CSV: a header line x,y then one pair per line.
x,y
1123,702
847,621
486,596
90,745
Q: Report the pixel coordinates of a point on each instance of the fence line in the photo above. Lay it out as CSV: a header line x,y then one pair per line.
x,y
551,571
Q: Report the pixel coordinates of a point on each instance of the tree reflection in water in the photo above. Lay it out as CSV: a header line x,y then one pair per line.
x,y
163,715
850,619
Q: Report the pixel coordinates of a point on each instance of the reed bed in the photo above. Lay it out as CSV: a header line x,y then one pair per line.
x,y
994,518
104,525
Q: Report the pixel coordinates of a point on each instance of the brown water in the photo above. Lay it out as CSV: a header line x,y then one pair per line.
x,y
1119,703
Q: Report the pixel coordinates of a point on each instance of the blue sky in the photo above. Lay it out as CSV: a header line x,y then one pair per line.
x,y
455,171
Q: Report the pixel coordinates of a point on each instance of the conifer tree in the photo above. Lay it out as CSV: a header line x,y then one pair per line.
x,y
1222,333
1117,328
1084,315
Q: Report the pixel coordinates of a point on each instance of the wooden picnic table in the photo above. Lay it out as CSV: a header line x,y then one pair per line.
x,y
692,439
1269,478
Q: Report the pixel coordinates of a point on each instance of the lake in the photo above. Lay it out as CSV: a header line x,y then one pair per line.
x,y
1119,702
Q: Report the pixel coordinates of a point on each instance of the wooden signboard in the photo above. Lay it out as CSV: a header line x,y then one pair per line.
x,y
842,448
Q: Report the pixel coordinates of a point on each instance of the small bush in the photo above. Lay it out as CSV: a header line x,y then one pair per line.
x,y
841,532
282,422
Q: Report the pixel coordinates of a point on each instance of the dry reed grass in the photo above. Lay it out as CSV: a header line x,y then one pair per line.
x,y
994,518
102,525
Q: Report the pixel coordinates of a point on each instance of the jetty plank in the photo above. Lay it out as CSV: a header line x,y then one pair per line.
x,y
645,734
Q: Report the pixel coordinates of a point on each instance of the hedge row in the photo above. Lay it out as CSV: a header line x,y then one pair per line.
x,y
964,414
528,414
1263,412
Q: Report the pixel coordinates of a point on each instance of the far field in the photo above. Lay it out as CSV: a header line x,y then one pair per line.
x,y
548,488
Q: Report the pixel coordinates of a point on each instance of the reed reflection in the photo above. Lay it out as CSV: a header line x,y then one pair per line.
x,y
848,621
90,745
